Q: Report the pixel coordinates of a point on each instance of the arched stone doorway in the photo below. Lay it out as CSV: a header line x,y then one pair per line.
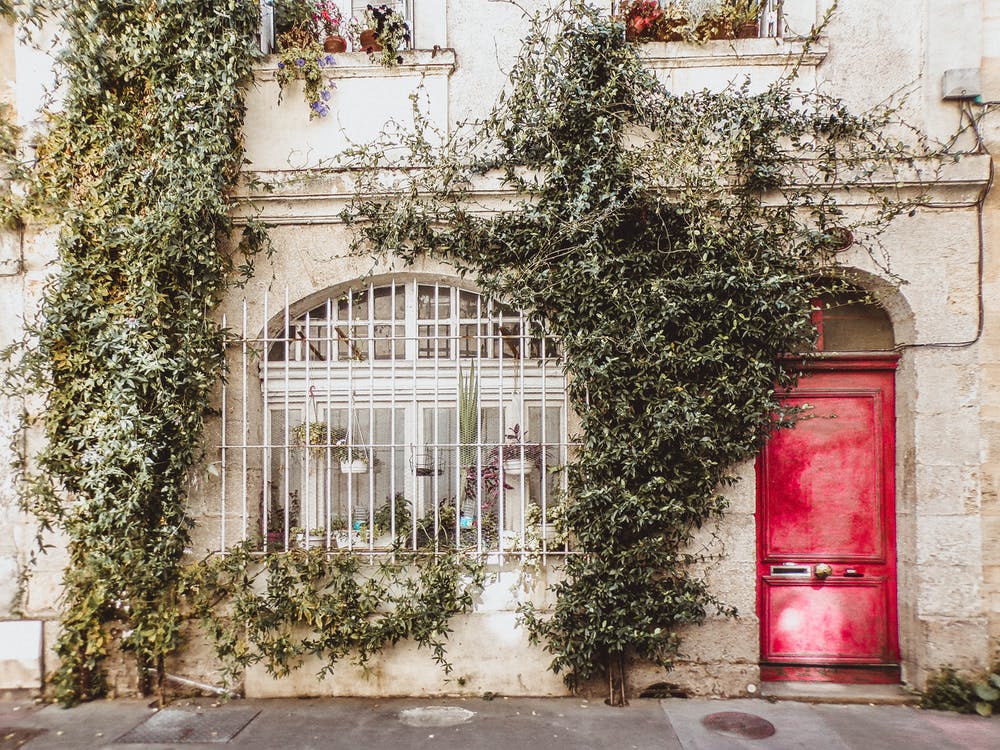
x,y
826,532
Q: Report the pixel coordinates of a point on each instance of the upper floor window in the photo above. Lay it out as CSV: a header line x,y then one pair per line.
x,y
278,16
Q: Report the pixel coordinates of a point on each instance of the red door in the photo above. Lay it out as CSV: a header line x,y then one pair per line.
x,y
826,529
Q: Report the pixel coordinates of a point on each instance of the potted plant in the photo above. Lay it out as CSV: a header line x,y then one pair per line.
x,y
689,20
327,23
301,57
353,459
520,456
318,436
744,18
308,539
382,31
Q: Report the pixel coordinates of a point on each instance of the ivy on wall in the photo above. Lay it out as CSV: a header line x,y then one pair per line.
x,y
673,242
279,608
124,352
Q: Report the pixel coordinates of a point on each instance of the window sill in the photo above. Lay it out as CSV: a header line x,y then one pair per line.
x,y
768,51
418,62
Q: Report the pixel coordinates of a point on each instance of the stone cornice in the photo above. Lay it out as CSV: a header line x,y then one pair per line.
x,y
420,62
318,196
741,53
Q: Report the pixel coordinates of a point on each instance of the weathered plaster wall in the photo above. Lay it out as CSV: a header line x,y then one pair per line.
x,y
990,357
948,411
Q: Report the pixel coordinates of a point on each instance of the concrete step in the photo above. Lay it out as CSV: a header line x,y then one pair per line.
x,y
836,692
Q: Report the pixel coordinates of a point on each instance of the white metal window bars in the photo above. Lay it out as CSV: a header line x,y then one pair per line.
x,y
378,371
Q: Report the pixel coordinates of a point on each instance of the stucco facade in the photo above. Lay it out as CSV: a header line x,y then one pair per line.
x,y
944,264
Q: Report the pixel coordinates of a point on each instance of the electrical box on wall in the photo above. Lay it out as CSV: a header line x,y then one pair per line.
x,y
961,83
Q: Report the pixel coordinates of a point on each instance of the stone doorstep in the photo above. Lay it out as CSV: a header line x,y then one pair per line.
x,y
836,692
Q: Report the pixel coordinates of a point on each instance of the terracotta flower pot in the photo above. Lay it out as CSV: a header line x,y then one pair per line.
x,y
335,43
369,42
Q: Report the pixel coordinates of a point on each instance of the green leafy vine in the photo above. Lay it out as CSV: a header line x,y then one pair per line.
x,y
674,243
124,352
278,608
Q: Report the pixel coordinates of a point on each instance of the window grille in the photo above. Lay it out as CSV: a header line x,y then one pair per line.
x,y
407,415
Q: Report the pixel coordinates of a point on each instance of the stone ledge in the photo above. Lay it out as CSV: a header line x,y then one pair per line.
x,y
419,62
731,53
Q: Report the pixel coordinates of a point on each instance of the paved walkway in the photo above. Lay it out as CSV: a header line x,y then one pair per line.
x,y
470,724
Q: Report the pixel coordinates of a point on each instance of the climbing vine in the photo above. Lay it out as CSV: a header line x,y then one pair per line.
x,y
124,353
673,242
279,608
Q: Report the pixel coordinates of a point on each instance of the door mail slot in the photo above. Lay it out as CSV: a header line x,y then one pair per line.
x,y
792,571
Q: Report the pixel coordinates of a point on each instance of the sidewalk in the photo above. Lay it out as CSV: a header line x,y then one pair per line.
x,y
471,724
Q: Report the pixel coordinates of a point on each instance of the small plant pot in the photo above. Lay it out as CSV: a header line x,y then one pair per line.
x,y
335,43
355,466
516,467
368,41
316,540
747,30
348,539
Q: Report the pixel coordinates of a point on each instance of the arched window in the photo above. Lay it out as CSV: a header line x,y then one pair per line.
x,y
848,320
414,412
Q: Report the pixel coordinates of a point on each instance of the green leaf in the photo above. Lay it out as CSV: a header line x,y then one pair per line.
x,y
987,693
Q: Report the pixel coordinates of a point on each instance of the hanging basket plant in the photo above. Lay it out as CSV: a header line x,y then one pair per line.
x,y
303,58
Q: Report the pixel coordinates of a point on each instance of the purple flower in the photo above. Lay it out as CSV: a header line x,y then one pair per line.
x,y
300,62
325,95
329,60
281,65
320,108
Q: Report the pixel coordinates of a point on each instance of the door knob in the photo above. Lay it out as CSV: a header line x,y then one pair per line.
x,y
822,570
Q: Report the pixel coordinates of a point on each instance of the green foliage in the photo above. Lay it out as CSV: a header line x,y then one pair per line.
x,y
278,608
673,242
124,353
468,415
391,32
698,22
948,691
302,58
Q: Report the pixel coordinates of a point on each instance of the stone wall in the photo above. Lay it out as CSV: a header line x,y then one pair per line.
x,y
948,410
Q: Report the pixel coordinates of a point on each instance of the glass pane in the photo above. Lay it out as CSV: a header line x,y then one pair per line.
x,y
472,340
317,313
428,344
510,339
385,309
851,324
354,346
353,305
433,302
387,344
468,305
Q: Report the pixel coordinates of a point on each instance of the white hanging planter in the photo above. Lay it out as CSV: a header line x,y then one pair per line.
x,y
355,466
516,467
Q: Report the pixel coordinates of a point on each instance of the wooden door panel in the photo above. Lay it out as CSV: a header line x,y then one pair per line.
x,y
824,481
825,504
836,622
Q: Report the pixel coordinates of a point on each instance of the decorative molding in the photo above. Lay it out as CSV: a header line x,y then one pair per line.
x,y
732,53
421,62
318,196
